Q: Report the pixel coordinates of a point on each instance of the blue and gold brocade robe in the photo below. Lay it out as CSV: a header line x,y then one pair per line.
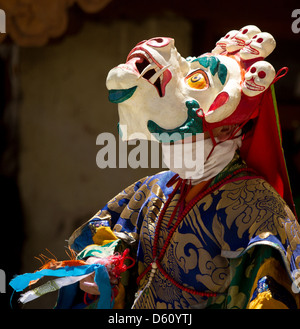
x,y
240,241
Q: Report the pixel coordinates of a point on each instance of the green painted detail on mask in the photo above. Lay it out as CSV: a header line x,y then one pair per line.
x,y
120,95
202,61
192,126
119,130
215,66
222,73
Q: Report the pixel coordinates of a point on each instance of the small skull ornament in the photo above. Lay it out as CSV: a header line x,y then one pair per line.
x,y
258,78
260,46
239,40
223,42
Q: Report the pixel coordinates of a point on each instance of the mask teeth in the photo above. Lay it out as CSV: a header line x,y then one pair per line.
x,y
146,69
158,74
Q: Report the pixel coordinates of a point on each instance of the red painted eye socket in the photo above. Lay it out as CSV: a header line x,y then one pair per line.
x,y
260,40
158,42
262,74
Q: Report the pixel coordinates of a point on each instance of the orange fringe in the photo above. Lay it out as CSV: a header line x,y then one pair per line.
x,y
53,263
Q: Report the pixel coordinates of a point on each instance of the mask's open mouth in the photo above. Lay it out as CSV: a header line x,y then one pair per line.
x,y
251,85
251,50
222,45
237,42
147,68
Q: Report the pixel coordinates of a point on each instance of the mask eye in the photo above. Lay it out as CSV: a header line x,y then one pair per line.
x,y
197,80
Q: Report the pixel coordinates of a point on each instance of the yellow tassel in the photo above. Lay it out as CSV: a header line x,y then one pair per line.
x,y
103,236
